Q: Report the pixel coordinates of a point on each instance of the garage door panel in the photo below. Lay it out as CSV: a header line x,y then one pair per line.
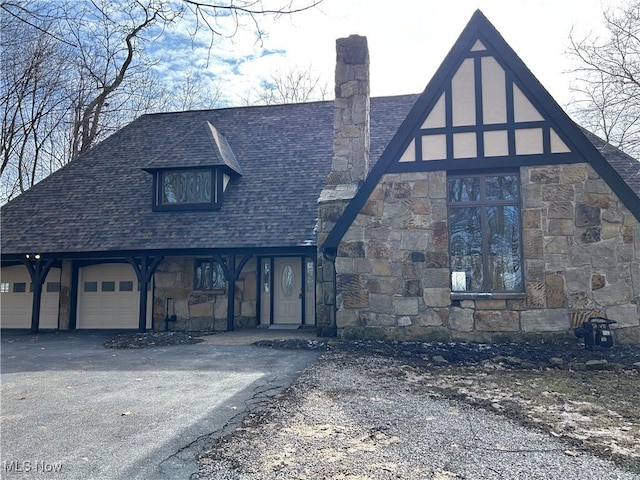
x,y
109,298
17,302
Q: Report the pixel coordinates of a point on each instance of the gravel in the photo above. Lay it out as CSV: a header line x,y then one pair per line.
x,y
352,416
151,340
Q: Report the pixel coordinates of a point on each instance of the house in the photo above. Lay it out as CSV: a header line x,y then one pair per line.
x,y
474,211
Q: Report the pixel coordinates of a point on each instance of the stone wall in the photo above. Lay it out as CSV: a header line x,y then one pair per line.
x,y
201,310
581,250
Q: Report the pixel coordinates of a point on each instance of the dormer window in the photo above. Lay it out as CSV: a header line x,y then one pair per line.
x,y
186,186
188,189
194,173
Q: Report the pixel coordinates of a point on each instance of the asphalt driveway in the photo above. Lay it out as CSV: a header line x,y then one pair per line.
x,y
73,409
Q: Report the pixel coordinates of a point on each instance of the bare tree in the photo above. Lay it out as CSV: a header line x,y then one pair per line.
x,y
110,43
608,86
33,100
292,86
193,89
99,75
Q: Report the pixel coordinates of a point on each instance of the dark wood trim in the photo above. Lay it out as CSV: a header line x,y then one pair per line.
x,y
303,289
546,140
271,290
144,272
121,256
38,268
258,291
490,127
506,162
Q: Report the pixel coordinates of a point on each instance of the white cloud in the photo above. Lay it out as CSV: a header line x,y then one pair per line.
x,y
407,40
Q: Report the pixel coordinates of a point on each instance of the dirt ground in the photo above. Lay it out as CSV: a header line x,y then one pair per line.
x,y
588,399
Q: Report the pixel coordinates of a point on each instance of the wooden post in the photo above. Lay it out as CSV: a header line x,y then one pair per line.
x,y
144,272
38,270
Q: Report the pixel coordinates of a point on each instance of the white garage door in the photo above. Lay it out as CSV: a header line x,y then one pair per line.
x,y
16,298
108,297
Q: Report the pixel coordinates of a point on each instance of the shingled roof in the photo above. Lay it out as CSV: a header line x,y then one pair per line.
x,y
627,167
202,146
102,202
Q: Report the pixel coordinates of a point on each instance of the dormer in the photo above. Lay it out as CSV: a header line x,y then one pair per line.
x,y
194,173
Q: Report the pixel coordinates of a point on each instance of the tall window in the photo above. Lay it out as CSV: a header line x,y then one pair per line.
x,y
485,243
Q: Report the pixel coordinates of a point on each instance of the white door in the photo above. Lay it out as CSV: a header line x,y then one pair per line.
x,y
108,297
287,284
16,298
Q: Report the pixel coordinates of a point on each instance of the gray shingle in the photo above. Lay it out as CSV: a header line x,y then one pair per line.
x,y
103,201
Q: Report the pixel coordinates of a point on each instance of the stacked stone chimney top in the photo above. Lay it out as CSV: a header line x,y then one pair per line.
x,y
350,163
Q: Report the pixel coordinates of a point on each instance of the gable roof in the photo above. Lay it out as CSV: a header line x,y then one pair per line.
x,y
432,122
102,202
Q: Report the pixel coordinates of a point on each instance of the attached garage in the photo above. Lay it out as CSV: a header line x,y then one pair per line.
x,y
109,298
17,298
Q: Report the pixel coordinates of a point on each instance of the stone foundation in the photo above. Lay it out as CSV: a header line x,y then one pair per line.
x,y
581,249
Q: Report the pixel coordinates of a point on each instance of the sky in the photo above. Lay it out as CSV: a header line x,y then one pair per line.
x,y
408,40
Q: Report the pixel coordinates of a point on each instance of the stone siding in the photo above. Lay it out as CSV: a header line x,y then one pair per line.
x,y
201,310
581,249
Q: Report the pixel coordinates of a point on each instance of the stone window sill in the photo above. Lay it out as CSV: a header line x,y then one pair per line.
x,y
486,296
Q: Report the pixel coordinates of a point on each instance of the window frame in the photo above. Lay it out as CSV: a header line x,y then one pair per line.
x,y
484,205
217,178
201,261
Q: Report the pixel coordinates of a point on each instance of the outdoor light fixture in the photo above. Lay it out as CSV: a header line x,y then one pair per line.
x,y
33,255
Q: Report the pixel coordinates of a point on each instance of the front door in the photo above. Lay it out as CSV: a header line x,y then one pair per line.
x,y
287,286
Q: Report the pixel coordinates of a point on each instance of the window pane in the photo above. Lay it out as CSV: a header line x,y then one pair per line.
x,y
19,287
311,281
108,286
90,286
208,275
505,256
266,276
203,186
4,287
502,187
287,281
466,248
53,287
126,286
464,189
186,186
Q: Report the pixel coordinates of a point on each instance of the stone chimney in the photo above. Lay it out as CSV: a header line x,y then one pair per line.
x,y
350,164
